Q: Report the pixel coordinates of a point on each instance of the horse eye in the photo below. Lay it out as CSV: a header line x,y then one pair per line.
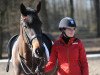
x,y
39,52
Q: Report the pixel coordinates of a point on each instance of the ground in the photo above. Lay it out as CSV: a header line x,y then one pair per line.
x,y
94,67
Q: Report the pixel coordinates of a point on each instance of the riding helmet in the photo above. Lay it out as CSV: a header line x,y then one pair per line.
x,y
67,22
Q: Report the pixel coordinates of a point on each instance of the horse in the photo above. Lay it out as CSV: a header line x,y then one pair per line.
x,y
30,49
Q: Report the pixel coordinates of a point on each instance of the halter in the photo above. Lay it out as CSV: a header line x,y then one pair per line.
x,y
29,39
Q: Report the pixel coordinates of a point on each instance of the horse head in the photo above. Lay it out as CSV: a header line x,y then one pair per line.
x,y
31,24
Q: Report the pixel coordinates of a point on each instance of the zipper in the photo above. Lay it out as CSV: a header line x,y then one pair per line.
x,y
68,59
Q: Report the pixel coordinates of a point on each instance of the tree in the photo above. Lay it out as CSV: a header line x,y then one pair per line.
x,y
44,16
71,9
3,9
97,9
1,42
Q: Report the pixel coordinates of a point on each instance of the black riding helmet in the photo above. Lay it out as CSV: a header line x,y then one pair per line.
x,y
66,22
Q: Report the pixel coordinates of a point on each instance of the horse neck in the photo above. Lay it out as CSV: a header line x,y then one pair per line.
x,y
23,44
24,50
21,31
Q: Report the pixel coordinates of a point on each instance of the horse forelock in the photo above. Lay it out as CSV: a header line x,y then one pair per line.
x,y
30,9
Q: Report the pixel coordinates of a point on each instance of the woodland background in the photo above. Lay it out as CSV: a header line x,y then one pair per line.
x,y
85,12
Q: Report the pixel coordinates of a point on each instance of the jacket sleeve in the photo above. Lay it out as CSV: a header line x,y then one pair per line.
x,y
83,60
52,61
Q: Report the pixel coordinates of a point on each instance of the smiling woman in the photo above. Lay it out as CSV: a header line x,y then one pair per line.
x,y
68,51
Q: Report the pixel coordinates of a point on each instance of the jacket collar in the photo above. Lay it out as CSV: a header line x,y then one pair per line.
x,y
71,40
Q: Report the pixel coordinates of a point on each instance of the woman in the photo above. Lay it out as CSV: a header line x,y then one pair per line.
x,y
69,51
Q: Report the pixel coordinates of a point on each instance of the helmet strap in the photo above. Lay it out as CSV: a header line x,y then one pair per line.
x,y
65,34
65,37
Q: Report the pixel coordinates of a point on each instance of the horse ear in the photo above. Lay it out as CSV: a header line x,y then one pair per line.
x,y
23,10
38,7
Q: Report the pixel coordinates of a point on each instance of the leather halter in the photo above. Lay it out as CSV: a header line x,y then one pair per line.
x,y
29,42
28,38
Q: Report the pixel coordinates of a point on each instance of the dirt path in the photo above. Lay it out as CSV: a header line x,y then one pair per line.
x,y
94,67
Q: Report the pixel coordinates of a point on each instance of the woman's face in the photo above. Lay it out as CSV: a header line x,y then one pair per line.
x,y
70,31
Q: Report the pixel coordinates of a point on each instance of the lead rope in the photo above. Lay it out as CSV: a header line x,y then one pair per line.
x,y
56,67
54,70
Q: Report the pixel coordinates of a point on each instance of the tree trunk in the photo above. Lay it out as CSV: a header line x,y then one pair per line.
x,y
1,42
44,16
71,9
3,8
97,9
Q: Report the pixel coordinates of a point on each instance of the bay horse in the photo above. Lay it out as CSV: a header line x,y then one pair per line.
x,y
30,49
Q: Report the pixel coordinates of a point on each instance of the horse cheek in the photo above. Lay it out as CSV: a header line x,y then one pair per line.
x,y
35,45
